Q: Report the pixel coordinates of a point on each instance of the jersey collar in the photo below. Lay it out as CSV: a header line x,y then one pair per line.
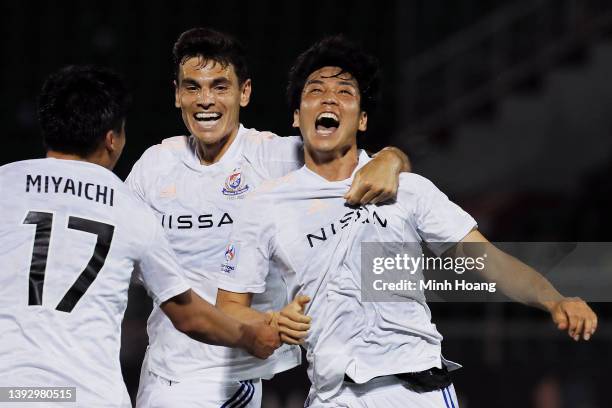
x,y
192,160
363,160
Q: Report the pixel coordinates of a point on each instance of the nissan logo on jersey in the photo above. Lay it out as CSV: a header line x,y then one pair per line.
x,y
361,215
191,221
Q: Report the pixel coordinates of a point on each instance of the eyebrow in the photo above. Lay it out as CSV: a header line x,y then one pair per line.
x,y
319,82
220,80
314,81
348,83
216,81
189,81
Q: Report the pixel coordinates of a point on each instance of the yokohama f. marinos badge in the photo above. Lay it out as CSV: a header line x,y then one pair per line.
x,y
235,184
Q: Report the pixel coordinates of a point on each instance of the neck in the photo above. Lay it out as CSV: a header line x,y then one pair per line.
x,y
94,158
210,153
332,166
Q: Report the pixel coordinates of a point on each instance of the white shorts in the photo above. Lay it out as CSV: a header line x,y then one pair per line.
x,y
155,391
384,392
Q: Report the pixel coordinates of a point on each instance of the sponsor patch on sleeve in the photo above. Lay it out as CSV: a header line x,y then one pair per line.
x,y
229,258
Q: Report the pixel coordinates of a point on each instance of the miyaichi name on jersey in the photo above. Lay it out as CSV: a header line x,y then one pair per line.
x,y
64,185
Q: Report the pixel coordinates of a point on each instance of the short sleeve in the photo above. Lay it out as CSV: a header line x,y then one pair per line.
x,y
439,222
250,248
135,181
275,156
158,268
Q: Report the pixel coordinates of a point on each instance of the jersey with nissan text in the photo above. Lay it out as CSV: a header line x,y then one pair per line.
x,y
197,205
307,233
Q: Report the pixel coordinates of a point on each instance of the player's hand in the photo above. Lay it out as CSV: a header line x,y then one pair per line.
x,y
575,316
261,339
377,181
292,323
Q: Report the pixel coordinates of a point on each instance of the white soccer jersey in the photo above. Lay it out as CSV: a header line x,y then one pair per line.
x,y
70,237
197,207
304,231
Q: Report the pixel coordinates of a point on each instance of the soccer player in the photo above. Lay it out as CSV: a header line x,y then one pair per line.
x,y
361,354
196,184
70,237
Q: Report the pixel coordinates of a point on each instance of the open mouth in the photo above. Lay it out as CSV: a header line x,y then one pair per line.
x,y
207,116
327,122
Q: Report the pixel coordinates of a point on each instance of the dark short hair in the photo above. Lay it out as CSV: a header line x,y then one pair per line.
x,y
336,51
211,45
77,107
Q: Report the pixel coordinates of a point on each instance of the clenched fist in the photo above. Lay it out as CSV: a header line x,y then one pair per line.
x,y
260,339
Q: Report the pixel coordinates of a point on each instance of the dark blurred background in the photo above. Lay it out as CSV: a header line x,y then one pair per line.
x,y
505,105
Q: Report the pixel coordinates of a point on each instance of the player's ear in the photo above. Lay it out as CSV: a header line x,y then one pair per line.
x,y
110,141
114,141
177,102
363,121
245,93
296,118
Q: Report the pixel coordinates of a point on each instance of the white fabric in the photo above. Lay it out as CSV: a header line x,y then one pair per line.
x,y
362,339
155,391
385,392
42,346
197,206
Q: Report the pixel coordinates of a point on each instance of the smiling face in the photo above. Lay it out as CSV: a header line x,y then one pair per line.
x,y
210,97
330,113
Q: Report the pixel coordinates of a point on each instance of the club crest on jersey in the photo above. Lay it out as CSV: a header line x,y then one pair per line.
x,y
235,184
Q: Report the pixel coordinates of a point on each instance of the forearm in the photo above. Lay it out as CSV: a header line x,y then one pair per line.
x,y
396,158
514,278
241,312
523,284
519,281
203,322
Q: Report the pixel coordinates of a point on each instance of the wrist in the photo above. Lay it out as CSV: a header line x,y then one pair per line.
x,y
392,159
247,336
272,317
550,304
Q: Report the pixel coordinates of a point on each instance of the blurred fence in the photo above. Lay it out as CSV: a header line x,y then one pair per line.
x,y
482,62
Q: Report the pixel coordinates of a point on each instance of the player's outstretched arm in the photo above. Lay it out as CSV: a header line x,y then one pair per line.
x,y
523,284
290,322
378,180
203,322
